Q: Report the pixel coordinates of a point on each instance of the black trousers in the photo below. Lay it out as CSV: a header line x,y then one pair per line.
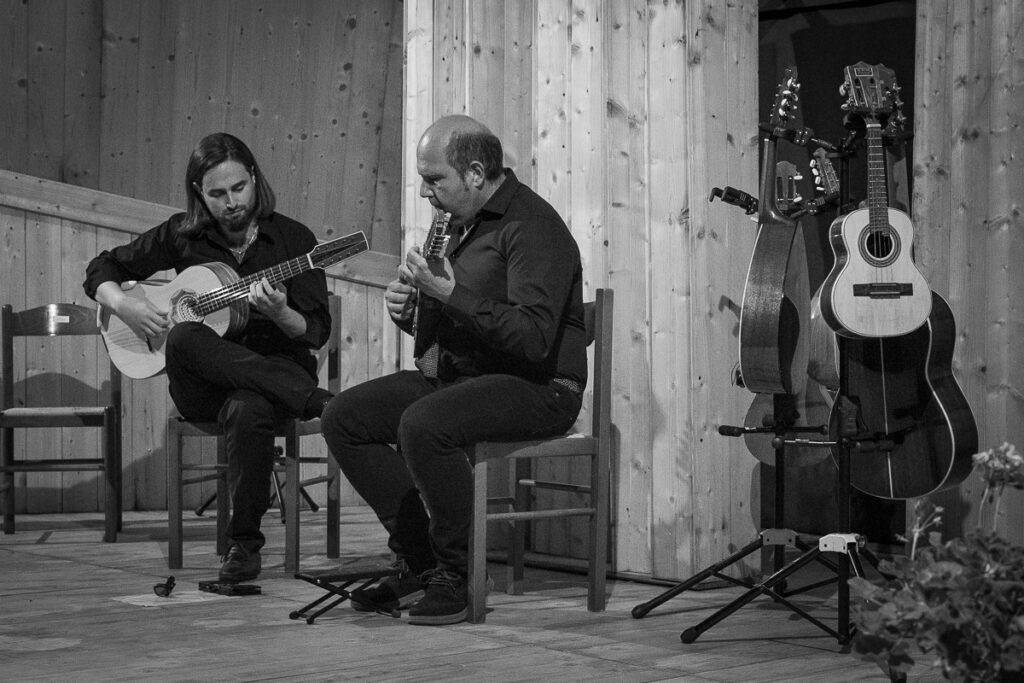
x,y
214,379
432,422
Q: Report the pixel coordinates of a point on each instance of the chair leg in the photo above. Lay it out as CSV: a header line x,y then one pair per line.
x,y
7,483
111,476
477,579
519,469
223,497
598,565
174,492
333,509
291,502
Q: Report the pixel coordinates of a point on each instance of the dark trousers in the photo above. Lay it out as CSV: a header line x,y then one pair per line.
x,y
213,379
432,422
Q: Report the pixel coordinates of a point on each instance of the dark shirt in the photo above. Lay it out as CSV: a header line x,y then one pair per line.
x,y
280,239
517,306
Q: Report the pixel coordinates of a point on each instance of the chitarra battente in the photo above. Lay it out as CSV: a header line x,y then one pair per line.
x,y
210,293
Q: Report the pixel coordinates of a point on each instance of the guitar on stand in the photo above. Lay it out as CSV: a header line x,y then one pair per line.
x,y
900,410
778,417
772,350
874,289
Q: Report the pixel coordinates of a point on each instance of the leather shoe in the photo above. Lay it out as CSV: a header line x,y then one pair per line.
x,y
240,565
316,403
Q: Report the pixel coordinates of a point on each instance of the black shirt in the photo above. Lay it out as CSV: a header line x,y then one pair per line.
x,y
517,306
280,239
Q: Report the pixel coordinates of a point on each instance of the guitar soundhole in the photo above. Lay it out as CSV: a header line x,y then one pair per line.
x,y
880,246
184,306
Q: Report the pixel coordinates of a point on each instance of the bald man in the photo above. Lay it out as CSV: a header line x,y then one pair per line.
x,y
500,353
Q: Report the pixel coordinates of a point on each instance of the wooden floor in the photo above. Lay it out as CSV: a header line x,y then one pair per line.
x,y
74,608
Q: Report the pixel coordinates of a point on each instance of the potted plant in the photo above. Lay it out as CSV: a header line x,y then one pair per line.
x,y
960,601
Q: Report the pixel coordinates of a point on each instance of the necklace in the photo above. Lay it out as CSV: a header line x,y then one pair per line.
x,y
239,252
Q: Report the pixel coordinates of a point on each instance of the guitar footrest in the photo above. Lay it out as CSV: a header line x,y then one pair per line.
x,y
336,584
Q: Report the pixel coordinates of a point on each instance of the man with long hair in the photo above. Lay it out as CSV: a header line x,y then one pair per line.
x,y
501,356
264,373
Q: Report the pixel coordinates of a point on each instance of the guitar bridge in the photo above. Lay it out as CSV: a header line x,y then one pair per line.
x,y
884,290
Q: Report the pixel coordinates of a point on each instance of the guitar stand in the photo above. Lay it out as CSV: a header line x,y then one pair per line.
x,y
336,584
849,547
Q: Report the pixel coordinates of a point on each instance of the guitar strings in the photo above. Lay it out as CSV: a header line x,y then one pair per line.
x,y
218,298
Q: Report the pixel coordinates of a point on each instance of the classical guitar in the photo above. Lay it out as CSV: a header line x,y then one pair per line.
x,y
904,409
874,288
211,293
772,350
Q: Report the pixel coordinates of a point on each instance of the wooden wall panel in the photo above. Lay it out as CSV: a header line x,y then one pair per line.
x,y
49,232
969,177
619,139
14,74
113,94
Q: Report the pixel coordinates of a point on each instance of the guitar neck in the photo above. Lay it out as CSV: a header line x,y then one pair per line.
x,y
216,299
878,188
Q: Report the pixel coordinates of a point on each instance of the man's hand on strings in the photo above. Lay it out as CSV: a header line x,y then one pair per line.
x,y
269,300
434,278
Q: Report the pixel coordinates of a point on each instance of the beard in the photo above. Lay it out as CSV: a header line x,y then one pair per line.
x,y
238,220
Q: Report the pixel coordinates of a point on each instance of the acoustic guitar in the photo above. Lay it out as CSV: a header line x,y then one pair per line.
x,y
211,293
773,352
910,426
874,288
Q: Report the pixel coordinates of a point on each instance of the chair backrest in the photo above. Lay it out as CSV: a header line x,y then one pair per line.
x,y
51,320
598,320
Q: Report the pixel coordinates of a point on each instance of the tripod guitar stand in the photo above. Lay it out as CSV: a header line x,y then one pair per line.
x,y
848,546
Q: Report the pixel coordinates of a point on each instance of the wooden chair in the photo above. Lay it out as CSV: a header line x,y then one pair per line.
x,y
50,321
291,460
518,456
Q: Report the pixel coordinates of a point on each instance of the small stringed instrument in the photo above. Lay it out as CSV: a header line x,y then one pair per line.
x,y
211,293
435,246
773,352
874,288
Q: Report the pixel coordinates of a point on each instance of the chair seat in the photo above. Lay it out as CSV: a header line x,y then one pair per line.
x,y
282,428
559,446
57,416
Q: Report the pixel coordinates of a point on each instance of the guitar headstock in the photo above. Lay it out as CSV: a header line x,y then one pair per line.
x,y
328,253
787,197
787,96
871,91
826,180
438,236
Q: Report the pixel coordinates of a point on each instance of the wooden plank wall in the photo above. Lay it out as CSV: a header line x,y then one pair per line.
x,y
623,114
46,245
113,94
968,184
